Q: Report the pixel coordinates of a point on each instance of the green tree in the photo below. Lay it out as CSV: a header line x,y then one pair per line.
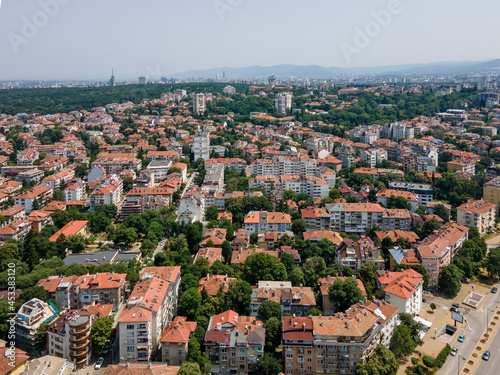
x,y
189,368
296,276
41,338
269,364
299,226
239,296
273,334
190,303
128,184
493,262
102,331
450,279
58,195
344,294
402,343
382,362
33,292
211,213
269,309
262,266
227,251
441,211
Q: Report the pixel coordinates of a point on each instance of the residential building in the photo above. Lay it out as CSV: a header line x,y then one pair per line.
x,y
354,254
75,191
48,365
191,207
316,218
423,191
117,162
477,214
315,187
199,105
160,170
107,191
402,289
152,304
234,343
27,156
491,191
283,102
467,166
284,166
354,217
142,369
318,235
336,344
396,219
211,254
418,164
13,213
383,197
201,145
76,227
216,235
241,240
438,250
175,340
28,319
293,300
263,221
220,198
213,283
39,193
229,90
214,178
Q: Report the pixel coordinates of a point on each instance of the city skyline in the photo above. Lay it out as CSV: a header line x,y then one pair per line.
x,y
63,39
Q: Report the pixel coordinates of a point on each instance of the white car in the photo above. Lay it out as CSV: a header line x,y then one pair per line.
x,y
454,352
98,364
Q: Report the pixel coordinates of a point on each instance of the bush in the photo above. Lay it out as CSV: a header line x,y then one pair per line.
x,y
428,361
414,361
442,356
433,306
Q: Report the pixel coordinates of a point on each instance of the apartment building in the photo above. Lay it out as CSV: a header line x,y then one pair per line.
x,y
438,250
75,292
354,254
402,289
292,300
27,156
160,170
477,214
75,227
418,164
213,283
152,304
396,219
263,221
467,166
235,163
28,319
284,166
59,178
283,102
214,178
383,197
13,213
68,335
175,340
316,218
191,207
140,194
201,145
397,130
39,193
75,191
199,104
327,174
115,163
424,192
234,344
210,254
315,187
421,147
162,155
336,344
354,217
107,191
324,285
491,191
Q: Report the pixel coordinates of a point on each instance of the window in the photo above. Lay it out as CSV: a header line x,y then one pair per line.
x,y
179,352
289,364
309,351
130,341
319,362
167,352
130,334
242,359
353,356
224,359
242,350
130,326
130,348
289,356
353,348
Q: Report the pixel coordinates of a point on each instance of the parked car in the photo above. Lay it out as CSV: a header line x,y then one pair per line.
x,y
486,355
98,364
456,305
454,352
107,346
461,338
453,309
494,289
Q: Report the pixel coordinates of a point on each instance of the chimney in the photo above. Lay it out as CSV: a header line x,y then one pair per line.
x,y
303,326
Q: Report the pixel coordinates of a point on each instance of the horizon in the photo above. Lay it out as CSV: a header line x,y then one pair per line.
x,y
46,40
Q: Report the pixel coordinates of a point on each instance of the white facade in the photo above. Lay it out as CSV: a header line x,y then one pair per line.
x,y
201,145
199,103
283,102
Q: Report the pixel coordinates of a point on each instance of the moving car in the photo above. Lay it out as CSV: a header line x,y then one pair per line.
x,y
98,364
454,351
494,289
461,338
486,355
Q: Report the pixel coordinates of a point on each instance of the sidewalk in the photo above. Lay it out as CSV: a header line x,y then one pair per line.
x,y
433,345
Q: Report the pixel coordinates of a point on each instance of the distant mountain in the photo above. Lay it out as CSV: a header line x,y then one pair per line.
x,y
317,71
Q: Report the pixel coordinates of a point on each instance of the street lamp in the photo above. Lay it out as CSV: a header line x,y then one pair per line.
x,y
458,359
487,318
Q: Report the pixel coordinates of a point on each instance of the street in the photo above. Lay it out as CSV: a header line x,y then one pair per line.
x,y
477,322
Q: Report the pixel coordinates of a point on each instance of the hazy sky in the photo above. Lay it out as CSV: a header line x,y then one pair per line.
x,y
83,39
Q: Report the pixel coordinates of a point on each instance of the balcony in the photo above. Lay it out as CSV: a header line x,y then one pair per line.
x,y
79,345
78,339
79,355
